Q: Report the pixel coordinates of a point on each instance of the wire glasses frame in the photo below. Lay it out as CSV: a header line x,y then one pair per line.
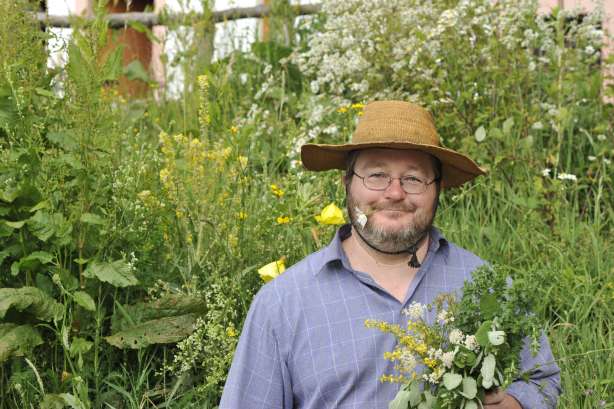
x,y
412,185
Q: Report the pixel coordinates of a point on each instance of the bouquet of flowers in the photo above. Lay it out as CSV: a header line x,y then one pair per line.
x,y
470,347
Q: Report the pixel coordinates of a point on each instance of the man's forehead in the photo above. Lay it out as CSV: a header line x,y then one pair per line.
x,y
387,157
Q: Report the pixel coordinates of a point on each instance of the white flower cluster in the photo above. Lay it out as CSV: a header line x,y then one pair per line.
x,y
415,311
445,317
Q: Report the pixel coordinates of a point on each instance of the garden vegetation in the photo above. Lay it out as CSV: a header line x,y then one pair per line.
x,y
132,230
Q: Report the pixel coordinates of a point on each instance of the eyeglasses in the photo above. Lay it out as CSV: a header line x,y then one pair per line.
x,y
380,181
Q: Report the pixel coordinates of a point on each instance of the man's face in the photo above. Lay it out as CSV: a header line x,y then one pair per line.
x,y
395,219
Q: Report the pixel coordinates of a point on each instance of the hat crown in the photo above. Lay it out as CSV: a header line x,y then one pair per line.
x,y
396,121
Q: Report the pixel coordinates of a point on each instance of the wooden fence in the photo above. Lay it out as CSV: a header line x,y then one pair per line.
x,y
119,20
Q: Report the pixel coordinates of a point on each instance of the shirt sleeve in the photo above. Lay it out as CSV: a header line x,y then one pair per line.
x,y
259,377
542,389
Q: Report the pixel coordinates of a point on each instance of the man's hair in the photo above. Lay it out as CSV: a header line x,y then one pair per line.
x,y
352,157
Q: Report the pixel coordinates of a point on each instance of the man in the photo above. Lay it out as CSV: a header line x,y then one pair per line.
x,y
304,344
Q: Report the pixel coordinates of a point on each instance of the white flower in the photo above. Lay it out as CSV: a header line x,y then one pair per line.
x,y
243,77
456,336
362,218
601,137
471,343
606,161
408,360
415,311
496,337
448,358
537,126
445,317
546,172
592,158
590,50
567,176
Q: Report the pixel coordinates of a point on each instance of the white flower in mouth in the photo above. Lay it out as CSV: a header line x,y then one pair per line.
x,y
362,218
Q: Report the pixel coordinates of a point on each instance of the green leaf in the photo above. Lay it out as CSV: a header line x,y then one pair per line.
x,y
482,333
452,380
60,401
480,134
80,346
15,225
91,218
118,273
488,371
112,67
400,401
29,299
470,387
167,306
17,340
136,71
471,404
83,299
64,139
78,67
507,125
489,306
161,331
40,256
45,226
414,394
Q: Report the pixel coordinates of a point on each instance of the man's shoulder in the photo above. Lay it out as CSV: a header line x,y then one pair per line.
x,y
457,257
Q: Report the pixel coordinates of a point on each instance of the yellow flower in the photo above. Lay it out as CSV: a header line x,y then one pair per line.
x,y
242,215
358,106
231,332
234,130
283,220
342,110
243,161
144,195
272,270
331,214
276,190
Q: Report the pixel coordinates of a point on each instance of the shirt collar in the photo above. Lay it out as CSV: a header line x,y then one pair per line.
x,y
334,250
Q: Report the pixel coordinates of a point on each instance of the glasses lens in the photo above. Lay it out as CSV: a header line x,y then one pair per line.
x,y
413,185
377,181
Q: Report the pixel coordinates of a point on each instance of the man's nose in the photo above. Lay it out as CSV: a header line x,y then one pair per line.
x,y
395,190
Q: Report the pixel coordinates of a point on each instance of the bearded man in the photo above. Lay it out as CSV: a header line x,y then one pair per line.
x,y
304,344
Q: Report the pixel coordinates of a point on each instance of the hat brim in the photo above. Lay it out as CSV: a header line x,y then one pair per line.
x,y
456,168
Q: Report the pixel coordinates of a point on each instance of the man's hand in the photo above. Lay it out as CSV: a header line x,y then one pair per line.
x,y
500,400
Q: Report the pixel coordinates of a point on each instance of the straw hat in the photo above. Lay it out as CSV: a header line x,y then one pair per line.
x,y
394,125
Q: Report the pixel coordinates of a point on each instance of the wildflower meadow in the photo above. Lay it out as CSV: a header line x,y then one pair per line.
x,y
134,231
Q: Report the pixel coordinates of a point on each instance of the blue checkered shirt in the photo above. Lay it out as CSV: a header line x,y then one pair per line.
x,y
304,344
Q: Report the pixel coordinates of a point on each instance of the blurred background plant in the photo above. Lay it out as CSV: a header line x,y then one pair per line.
x,y
132,231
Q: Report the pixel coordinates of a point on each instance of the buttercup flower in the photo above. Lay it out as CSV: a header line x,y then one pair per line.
x,y
331,214
276,190
283,220
272,270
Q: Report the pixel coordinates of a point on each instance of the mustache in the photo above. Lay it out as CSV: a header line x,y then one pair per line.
x,y
393,208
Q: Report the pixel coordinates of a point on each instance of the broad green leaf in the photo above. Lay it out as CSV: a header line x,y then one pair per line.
x,y
40,256
118,273
17,340
452,380
91,218
44,226
470,387
400,401
482,333
480,134
161,331
78,67
29,299
167,306
489,306
15,225
64,139
60,401
414,394
488,371
79,346
83,299
471,405
136,71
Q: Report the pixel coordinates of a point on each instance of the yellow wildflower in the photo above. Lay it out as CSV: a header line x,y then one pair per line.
x,y
421,349
283,220
342,110
144,195
331,214
234,130
358,106
242,215
272,270
231,332
276,190
243,161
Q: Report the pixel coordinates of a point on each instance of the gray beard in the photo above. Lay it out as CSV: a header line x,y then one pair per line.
x,y
390,241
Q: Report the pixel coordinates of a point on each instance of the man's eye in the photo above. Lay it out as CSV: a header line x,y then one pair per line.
x,y
412,179
379,175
